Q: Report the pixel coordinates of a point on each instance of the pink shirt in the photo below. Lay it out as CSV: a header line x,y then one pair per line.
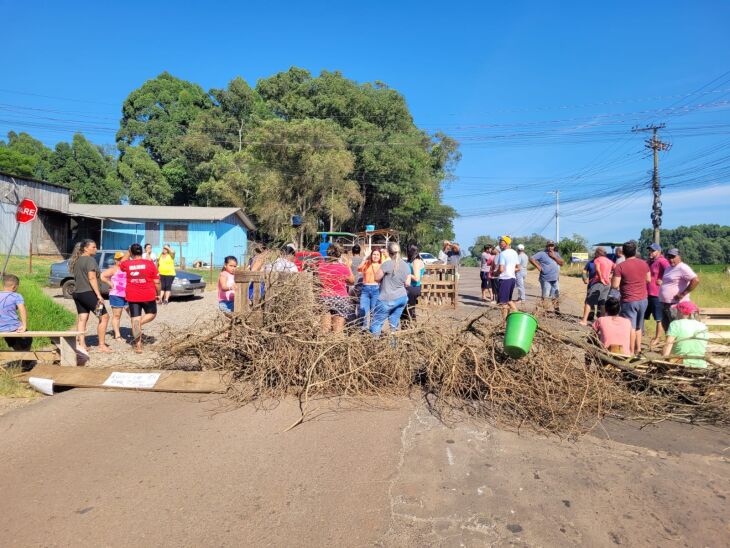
x,y
675,280
614,330
225,294
657,268
119,284
604,268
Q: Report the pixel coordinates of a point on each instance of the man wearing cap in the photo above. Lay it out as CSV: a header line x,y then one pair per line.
x,y
686,336
522,273
657,266
548,264
678,281
508,264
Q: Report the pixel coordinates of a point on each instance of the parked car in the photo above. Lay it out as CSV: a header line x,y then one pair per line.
x,y
185,284
427,258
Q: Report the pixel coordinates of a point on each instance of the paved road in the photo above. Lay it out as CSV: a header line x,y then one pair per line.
x,y
99,468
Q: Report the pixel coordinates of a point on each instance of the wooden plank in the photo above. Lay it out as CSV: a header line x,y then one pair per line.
x,y
715,312
719,334
169,381
715,321
34,334
40,355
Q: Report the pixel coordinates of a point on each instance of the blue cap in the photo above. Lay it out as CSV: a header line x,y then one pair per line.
x,y
655,247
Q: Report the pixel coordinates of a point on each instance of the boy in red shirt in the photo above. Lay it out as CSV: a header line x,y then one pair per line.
x,y
143,290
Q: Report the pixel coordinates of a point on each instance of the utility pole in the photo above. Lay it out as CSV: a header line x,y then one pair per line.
x,y
557,215
655,145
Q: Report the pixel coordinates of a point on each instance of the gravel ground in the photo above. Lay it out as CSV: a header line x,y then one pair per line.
x,y
178,315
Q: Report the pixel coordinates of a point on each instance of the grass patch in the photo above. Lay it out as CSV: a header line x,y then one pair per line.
x,y
10,387
43,313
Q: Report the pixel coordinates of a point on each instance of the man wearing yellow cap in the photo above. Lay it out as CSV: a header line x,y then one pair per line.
x,y
508,264
548,264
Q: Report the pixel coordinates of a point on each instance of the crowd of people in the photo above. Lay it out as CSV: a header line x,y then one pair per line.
x,y
626,293
381,285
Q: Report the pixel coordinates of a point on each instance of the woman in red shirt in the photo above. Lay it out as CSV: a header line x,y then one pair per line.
x,y
334,277
143,290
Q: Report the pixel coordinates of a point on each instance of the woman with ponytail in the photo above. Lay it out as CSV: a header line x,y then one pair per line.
x,y
393,277
87,292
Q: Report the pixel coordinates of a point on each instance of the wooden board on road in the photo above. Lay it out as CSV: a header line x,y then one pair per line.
x,y
201,382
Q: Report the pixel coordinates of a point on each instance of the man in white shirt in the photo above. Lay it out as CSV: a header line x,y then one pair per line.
x,y
285,263
509,266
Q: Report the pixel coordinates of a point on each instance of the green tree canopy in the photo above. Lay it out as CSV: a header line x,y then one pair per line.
x,y
698,244
142,178
23,155
86,170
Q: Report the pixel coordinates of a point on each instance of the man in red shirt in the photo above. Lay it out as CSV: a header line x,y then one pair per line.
x,y
631,278
143,290
657,265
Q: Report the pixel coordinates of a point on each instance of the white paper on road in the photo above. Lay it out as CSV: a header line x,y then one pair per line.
x,y
132,380
44,386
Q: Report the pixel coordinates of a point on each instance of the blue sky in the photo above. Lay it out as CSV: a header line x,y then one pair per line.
x,y
541,95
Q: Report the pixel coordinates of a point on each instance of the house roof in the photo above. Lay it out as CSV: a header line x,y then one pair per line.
x,y
158,213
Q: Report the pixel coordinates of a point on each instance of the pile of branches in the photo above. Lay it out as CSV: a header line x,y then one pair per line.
x,y
563,386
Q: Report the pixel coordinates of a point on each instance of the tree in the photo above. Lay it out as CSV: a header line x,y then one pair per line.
x,y
398,168
156,117
576,244
300,168
698,244
24,156
85,170
142,178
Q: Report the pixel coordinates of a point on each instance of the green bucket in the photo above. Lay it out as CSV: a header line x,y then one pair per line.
x,y
518,336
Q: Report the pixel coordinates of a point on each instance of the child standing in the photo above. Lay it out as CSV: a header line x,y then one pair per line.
x,y
613,330
13,315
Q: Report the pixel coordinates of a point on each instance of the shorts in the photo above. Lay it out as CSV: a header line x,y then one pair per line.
x,y
495,285
225,306
115,301
654,308
136,309
634,311
669,314
86,303
597,294
485,279
337,305
166,282
550,290
506,287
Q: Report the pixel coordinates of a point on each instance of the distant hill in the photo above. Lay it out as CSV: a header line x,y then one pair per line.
x,y
698,244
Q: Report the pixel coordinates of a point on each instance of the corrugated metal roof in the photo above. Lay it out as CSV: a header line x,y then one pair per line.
x,y
159,213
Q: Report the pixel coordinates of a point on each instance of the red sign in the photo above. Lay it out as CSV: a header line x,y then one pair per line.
x,y
27,211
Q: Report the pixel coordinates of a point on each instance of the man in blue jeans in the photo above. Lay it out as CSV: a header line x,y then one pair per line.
x,y
548,264
393,277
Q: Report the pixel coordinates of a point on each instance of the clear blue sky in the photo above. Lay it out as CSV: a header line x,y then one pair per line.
x,y
542,97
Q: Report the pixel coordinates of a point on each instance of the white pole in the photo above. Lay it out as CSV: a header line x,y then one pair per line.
x,y
557,217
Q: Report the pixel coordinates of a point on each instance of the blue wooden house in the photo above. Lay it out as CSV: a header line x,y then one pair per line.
x,y
195,233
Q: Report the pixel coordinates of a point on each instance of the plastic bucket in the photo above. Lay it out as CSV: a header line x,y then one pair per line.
x,y
518,336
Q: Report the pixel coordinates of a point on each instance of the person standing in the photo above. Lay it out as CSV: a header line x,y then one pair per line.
x,y
166,266
116,279
370,287
334,277
619,253
631,278
548,263
143,291
148,253
678,281
227,284
657,266
413,289
485,266
494,273
87,292
454,258
522,274
285,263
598,279
393,276
444,252
14,317
508,264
